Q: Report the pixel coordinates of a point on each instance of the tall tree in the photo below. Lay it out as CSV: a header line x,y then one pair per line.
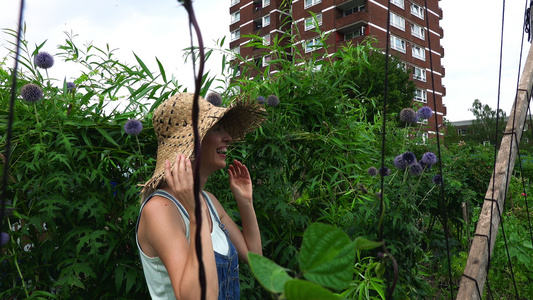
x,y
483,128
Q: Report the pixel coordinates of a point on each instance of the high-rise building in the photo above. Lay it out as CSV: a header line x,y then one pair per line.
x,y
415,33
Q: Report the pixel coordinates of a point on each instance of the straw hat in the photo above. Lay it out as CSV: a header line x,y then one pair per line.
x,y
172,122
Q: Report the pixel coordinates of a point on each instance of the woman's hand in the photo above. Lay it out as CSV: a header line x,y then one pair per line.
x,y
180,180
240,182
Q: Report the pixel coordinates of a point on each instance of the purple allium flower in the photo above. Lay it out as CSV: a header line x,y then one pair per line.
x,y
71,86
4,238
214,98
408,115
399,163
416,169
428,159
425,112
272,100
31,92
261,100
43,60
372,171
409,158
384,171
437,179
133,127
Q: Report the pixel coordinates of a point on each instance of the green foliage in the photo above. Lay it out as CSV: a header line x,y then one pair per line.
x,y
74,175
326,260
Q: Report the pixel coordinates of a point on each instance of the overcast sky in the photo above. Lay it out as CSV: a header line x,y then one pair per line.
x,y
160,28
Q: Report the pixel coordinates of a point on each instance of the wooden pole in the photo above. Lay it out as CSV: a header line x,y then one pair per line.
x,y
475,273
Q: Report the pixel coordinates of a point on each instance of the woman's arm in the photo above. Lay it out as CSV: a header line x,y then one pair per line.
x,y
165,234
249,239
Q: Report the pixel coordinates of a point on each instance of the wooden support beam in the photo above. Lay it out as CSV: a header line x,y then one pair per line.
x,y
475,273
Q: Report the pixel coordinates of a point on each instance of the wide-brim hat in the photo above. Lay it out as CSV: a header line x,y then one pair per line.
x,y
172,121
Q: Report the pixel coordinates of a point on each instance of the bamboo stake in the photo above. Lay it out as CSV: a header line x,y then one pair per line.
x,y
475,273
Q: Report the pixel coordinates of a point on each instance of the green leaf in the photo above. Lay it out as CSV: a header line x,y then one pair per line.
x,y
143,66
296,289
161,70
271,276
107,136
327,256
364,244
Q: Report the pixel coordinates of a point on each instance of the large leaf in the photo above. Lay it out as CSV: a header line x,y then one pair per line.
x,y
327,256
296,289
271,276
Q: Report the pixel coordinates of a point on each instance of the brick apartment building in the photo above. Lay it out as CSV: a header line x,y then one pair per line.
x,y
352,20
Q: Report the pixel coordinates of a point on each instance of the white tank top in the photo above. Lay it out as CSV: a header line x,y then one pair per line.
x,y
155,273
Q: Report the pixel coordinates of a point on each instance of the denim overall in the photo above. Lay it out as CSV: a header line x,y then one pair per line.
x,y
227,265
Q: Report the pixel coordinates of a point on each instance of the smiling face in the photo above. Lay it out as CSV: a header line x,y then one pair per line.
x,y
214,149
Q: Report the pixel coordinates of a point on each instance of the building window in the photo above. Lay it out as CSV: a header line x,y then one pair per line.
x,y
266,3
235,52
266,40
397,21
421,96
354,34
266,20
353,10
417,11
398,3
419,74
312,45
419,52
237,71
418,31
461,131
310,22
397,43
235,35
235,17
266,60
309,3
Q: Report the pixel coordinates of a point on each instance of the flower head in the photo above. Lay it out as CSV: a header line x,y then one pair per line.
x,y
261,100
43,60
437,179
133,127
416,169
399,162
384,171
272,100
4,238
71,86
372,171
31,93
425,112
408,115
428,159
215,99
409,158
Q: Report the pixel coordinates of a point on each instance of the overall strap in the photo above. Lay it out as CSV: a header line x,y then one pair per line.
x,y
211,207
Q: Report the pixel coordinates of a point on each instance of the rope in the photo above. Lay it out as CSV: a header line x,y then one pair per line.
x,y
193,24
392,287
442,199
7,156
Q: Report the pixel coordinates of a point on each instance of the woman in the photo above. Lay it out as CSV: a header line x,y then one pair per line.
x,y
166,227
